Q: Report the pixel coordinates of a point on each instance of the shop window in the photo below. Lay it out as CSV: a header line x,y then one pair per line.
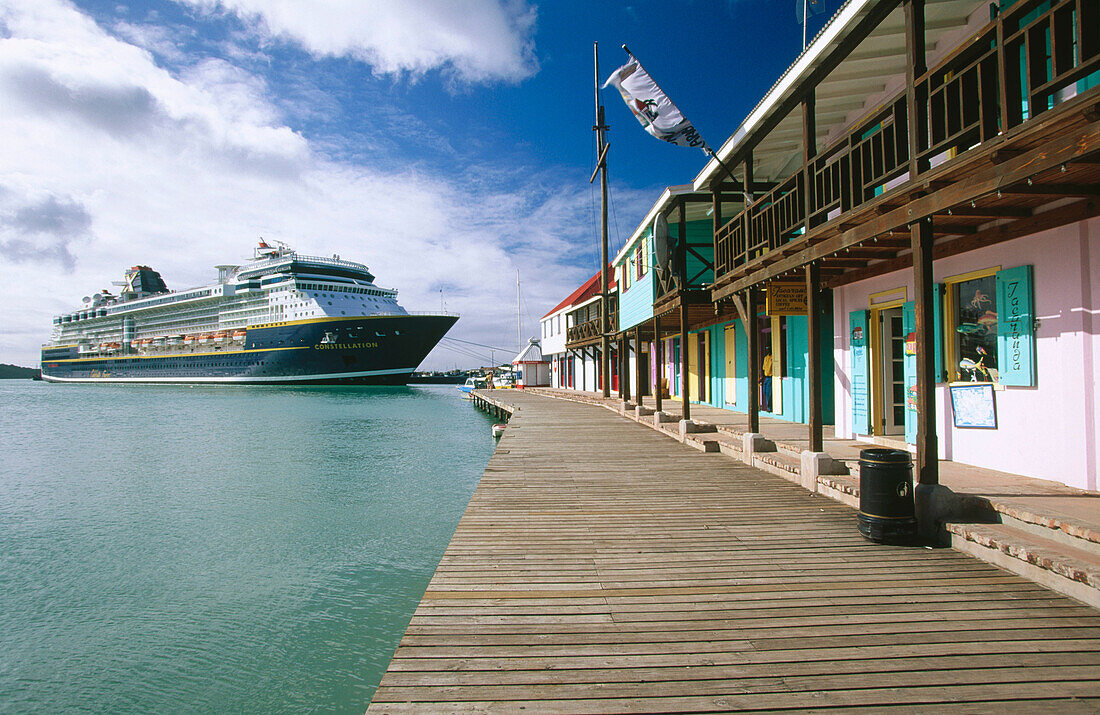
x,y
972,320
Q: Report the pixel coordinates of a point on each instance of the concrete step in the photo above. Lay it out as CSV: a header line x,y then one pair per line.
x,y
779,464
1068,570
842,487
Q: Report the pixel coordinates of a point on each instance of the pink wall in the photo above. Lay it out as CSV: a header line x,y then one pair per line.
x,y
1048,431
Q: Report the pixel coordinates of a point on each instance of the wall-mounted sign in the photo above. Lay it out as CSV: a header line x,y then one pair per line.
x,y
974,405
786,299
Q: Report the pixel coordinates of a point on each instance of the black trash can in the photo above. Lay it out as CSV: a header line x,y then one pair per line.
x,y
887,513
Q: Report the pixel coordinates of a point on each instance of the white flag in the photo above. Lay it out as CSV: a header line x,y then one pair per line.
x,y
658,115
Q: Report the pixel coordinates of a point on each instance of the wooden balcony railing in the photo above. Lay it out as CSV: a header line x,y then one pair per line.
x,y
586,321
1010,72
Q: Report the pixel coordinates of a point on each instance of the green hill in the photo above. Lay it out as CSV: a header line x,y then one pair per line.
x,y
14,372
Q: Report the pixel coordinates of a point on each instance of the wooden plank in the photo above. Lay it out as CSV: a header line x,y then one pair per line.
x,y
602,566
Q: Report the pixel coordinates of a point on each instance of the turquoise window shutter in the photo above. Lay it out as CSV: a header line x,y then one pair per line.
x,y
909,327
937,328
1016,327
859,337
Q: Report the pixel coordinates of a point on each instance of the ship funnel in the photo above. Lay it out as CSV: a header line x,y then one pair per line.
x,y
226,272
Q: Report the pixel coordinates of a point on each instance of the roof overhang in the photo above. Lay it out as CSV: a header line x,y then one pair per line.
x,y
857,56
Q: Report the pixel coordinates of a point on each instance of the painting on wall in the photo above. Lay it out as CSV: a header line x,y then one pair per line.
x,y
974,406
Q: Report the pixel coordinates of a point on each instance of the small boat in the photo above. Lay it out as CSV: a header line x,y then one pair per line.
x,y
498,430
221,335
239,334
175,339
205,338
135,343
474,383
189,340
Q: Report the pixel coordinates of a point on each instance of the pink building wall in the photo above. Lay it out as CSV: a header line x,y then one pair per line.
x,y
1049,431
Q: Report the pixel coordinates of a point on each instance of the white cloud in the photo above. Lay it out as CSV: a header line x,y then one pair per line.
x,y
473,40
119,161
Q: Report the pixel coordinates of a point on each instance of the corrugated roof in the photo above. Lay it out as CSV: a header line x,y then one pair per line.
x,y
588,289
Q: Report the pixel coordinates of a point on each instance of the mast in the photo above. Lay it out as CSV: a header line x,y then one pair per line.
x,y
601,149
519,319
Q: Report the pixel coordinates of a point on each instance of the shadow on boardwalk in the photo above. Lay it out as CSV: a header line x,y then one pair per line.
x,y
601,567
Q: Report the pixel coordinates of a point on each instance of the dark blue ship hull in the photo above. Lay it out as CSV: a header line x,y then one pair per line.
x,y
370,350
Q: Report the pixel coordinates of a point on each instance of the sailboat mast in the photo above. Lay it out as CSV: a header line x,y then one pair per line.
x,y
519,318
601,141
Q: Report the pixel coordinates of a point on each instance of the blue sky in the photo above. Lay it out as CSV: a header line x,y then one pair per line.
x,y
446,144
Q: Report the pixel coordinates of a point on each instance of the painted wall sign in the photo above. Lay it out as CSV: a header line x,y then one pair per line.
x,y
786,299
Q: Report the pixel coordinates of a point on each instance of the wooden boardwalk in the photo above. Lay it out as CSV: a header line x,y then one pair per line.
x,y
603,567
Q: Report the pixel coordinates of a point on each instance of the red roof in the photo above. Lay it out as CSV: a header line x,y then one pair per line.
x,y
589,289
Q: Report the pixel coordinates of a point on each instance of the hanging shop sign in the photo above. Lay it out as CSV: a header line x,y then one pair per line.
x,y
786,299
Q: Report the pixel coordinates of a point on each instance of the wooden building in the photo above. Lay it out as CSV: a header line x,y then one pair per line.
x,y
929,168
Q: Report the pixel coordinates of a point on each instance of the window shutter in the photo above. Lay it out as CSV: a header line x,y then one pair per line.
x,y
1016,327
858,324
937,328
909,327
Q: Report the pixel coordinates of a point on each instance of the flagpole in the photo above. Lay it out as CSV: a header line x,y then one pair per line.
x,y
601,153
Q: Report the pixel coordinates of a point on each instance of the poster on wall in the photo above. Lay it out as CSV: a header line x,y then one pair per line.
x,y
974,406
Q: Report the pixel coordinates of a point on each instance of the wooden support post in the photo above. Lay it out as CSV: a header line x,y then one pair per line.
x,y
685,381
638,374
809,151
928,465
813,371
624,358
752,330
916,64
750,197
619,363
659,349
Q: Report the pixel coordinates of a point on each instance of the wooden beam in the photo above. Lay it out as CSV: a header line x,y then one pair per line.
x,y
1072,213
916,64
685,383
638,374
990,212
813,370
751,331
927,466
659,348
1053,190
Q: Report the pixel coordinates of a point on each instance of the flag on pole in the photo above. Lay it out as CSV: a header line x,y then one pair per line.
x,y
656,112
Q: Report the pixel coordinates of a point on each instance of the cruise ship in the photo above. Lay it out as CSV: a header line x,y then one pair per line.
x,y
281,318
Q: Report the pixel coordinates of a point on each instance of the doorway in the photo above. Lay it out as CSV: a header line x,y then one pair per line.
x,y
731,365
890,366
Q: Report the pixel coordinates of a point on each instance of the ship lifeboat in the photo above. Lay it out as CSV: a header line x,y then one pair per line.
x,y
239,334
159,340
174,339
114,346
221,335
135,343
146,342
205,338
188,339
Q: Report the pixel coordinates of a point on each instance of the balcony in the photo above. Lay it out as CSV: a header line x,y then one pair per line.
x,y
1001,126
585,323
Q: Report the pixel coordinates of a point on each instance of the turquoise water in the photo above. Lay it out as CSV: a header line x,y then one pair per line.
x,y
221,549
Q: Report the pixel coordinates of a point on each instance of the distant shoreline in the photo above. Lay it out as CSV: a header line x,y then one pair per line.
x,y
14,372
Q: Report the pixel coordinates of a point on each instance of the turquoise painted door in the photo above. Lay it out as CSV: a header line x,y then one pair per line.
x,y
859,336
909,329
